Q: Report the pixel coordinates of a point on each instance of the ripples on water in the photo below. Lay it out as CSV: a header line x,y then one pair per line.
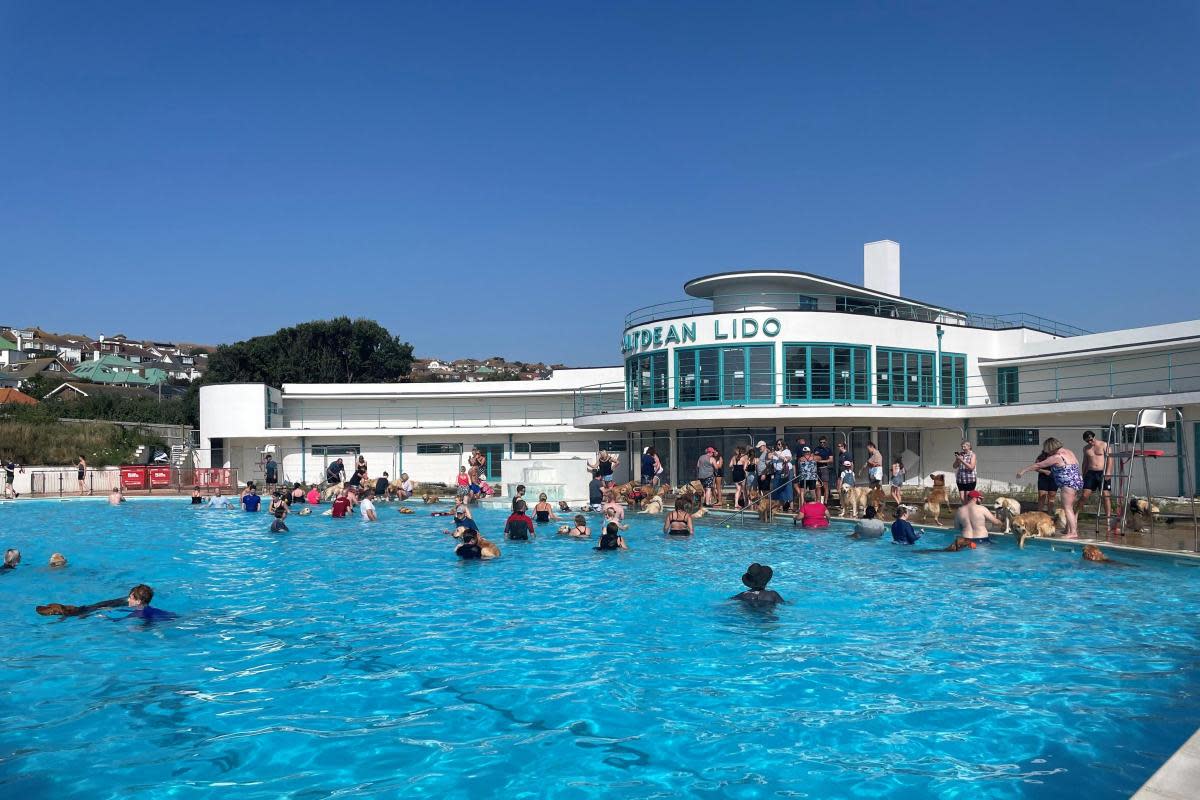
x,y
346,659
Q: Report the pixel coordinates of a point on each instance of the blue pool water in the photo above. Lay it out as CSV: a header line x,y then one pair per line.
x,y
347,659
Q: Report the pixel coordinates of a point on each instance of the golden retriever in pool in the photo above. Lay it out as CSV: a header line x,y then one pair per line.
x,y
1031,523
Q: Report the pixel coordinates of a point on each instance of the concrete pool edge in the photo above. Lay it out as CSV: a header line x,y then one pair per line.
x,y
1039,540
1178,777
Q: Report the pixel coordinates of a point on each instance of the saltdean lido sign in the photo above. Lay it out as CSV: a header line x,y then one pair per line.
x,y
654,337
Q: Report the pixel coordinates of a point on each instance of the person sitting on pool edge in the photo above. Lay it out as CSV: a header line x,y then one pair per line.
x,y
869,527
756,578
902,530
519,526
812,514
612,539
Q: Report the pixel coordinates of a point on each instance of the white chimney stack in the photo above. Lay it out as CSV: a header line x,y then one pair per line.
x,y
881,266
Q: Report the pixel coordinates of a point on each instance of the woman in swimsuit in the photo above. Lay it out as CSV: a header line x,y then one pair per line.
x,y
1064,468
679,521
543,511
581,529
81,473
737,474
298,494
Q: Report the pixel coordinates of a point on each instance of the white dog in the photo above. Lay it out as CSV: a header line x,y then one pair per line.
x,y
1006,508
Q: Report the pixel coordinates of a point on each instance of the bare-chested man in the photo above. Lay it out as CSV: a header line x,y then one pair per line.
x,y
1097,472
973,517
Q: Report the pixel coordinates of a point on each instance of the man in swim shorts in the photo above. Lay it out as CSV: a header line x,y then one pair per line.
x,y
1097,472
973,517
270,472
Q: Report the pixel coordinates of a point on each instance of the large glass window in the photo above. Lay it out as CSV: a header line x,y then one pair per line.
x,y
1008,386
904,376
954,379
646,381
826,373
725,375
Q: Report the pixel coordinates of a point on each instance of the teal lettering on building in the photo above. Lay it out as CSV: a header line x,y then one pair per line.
x,y
684,332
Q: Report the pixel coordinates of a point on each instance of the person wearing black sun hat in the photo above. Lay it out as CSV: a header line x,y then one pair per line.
x,y
756,579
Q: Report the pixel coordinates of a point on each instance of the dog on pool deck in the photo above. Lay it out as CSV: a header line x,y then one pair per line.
x,y
1141,514
652,505
766,509
1032,523
935,498
1006,509
876,497
854,501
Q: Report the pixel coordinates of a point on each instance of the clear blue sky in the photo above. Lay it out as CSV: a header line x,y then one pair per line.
x,y
511,178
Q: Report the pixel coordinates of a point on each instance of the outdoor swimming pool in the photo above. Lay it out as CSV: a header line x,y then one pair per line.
x,y
346,659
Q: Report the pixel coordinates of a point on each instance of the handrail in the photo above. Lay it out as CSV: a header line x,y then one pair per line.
x,y
846,304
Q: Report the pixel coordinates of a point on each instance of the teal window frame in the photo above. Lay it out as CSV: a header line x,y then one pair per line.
x,y
1008,385
953,380
641,394
904,364
698,354
791,396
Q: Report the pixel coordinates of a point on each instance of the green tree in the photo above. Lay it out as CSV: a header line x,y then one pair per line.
x,y
325,351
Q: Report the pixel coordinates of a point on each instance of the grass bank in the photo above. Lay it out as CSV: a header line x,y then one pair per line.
x,y
34,439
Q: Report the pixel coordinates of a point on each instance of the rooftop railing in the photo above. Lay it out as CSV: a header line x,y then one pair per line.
x,y
845,304
298,416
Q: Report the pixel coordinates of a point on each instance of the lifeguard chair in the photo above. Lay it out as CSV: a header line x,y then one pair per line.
x,y
1127,448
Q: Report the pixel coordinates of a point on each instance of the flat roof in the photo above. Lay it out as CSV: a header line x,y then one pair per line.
x,y
707,285
560,381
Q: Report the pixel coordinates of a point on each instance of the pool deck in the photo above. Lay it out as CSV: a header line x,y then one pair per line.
x,y
1136,544
1178,778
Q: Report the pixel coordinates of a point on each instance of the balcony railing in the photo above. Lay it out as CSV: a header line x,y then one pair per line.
x,y
1144,374
844,304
